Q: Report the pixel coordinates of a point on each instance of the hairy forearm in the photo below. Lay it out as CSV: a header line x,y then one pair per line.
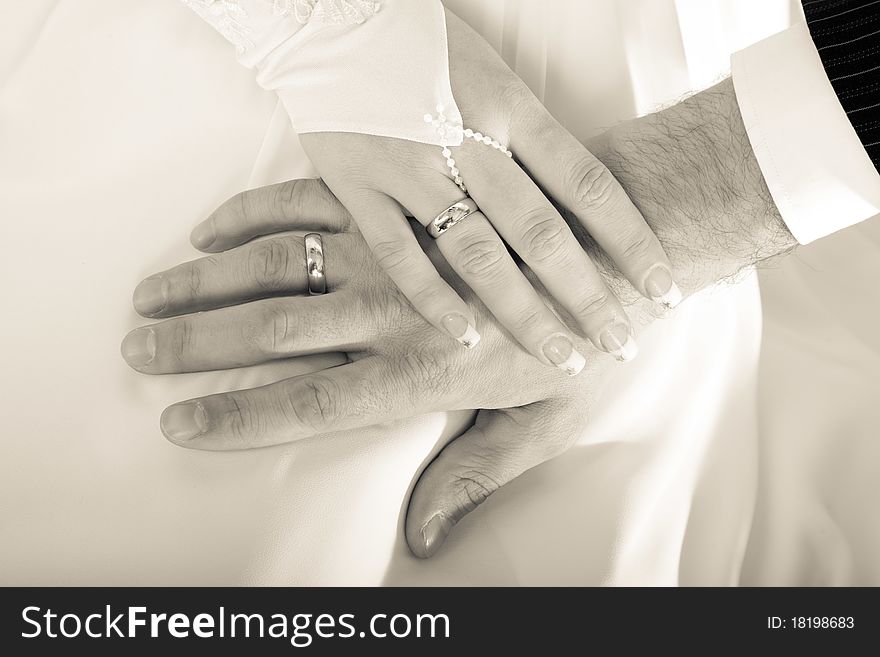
x,y
691,171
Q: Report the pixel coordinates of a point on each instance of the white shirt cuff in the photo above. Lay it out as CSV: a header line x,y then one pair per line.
x,y
817,170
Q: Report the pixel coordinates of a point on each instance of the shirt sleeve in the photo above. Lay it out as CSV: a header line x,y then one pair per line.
x,y
378,67
815,164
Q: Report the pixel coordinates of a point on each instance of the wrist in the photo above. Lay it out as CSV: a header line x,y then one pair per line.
x,y
691,171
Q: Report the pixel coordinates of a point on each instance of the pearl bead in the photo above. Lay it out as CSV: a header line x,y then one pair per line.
x,y
457,132
428,118
439,108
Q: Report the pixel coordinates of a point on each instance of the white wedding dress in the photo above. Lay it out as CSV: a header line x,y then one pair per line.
x,y
124,122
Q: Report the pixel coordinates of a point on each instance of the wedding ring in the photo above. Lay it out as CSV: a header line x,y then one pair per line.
x,y
315,264
452,215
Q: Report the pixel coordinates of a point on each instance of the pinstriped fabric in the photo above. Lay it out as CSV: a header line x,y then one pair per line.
x,y
847,35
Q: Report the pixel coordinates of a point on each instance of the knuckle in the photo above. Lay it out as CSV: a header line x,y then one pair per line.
x,y
523,106
186,283
427,296
314,402
472,488
274,332
481,258
529,320
424,371
592,185
238,417
269,263
636,247
545,239
301,198
592,302
182,336
391,255
194,282
292,197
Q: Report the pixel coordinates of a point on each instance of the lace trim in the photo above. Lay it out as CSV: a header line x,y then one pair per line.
x,y
343,12
230,18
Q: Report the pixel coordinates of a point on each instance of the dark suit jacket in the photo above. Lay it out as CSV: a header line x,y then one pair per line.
x,y
847,34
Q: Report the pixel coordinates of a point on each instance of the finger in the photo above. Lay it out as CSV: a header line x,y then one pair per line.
x,y
390,238
498,448
248,334
480,258
304,204
578,180
262,269
345,397
530,224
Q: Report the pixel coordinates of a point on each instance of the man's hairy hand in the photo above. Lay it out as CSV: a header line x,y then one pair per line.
x,y
689,169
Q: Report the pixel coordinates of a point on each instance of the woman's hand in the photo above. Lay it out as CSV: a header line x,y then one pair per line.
x,y
380,180
399,365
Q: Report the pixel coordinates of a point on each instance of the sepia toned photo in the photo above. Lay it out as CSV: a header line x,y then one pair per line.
x,y
411,293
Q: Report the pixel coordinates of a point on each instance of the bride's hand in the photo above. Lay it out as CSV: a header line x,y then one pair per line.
x,y
379,180
246,306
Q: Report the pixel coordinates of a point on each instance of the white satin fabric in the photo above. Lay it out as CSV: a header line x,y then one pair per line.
x,y
124,123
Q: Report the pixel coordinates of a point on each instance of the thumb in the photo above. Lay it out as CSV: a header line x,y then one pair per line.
x,y
499,447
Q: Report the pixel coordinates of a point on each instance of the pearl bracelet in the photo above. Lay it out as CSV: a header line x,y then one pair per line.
x,y
444,127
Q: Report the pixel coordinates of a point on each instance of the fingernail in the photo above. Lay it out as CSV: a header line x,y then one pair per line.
x,y
184,421
149,296
661,287
434,532
561,352
618,342
461,329
203,235
139,347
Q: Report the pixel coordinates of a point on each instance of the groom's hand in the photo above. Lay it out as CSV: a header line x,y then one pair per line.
x,y
690,170
399,365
